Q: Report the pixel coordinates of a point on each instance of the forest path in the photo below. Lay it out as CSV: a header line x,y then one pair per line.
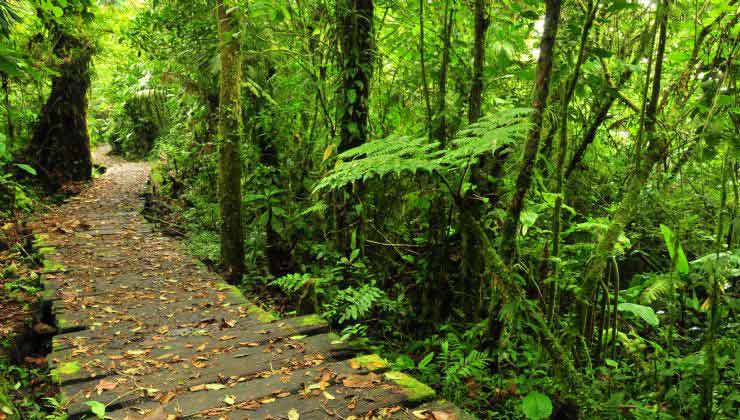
x,y
148,333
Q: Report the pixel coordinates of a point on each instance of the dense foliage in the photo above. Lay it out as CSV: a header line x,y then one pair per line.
x,y
531,205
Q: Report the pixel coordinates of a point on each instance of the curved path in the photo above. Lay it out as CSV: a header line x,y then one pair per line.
x,y
148,333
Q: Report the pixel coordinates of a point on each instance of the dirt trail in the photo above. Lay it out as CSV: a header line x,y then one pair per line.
x,y
148,333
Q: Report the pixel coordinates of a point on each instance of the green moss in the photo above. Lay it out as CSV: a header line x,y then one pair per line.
x,y
371,362
40,239
53,266
232,291
47,250
63,323
261,314
65,369
309,320
414,390
56,345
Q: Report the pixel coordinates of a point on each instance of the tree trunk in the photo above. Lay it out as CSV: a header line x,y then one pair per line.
x,y
60,146
479,57
9,116
355,23
542,89
229,138
656,150
570,88
424,84
356,37
439,130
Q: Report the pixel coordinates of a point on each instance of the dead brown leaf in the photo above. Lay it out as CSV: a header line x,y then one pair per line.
x,y
105,385
361,381
155,414
443,415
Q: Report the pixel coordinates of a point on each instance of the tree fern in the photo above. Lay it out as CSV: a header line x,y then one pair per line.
x,y
398,155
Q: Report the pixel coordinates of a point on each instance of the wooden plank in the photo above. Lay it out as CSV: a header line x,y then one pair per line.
x,y
439,409
249,329
278,386
108,358
176,374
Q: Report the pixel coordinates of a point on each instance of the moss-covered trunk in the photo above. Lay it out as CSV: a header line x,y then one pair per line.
x,y
355,26
60,146
479,57
356,37
657,147
541,93
229,138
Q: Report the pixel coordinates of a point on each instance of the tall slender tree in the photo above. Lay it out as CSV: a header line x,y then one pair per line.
x,y
357,43
569,90
229,138
355,24
656,149
439,122
479,58
539,103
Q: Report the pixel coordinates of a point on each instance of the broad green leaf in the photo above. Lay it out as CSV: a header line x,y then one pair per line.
x,y
26,168
527,218
97,408
645,312
536,406
725,100
675,250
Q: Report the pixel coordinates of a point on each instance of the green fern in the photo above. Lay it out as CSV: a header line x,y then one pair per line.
x,y
398,155
660,285
292,283
319,207
354,304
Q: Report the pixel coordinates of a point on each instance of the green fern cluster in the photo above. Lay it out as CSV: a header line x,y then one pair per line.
x,y
354,304
460,362
398,155
292,283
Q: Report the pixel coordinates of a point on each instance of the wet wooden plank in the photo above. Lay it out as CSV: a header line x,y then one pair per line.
x,y
282,384
248,329
180,373
438,409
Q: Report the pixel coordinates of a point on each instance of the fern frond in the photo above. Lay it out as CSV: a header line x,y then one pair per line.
x,y
660,285
398,155
393,155
318,207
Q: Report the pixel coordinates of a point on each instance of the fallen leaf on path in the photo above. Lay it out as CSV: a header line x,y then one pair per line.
x,y
293,414
443,415
166,398
228,323
156,414
248,405
105,385
361,381
38,361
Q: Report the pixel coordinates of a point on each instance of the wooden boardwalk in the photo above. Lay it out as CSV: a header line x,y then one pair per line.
x,y
148,333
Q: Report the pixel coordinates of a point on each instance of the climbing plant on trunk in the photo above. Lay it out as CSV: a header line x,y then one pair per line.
x,y
229,138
